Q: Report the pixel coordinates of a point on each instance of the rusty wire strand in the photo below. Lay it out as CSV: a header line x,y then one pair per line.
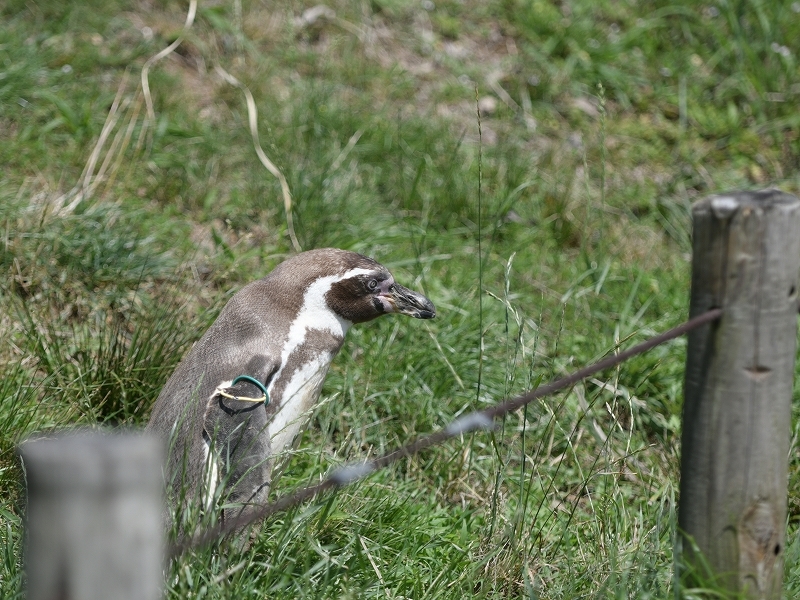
x,y
483,419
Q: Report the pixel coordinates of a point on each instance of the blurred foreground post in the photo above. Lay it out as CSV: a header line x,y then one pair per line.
x,y
738,393
94,525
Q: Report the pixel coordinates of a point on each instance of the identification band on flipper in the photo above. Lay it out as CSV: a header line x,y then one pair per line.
x,y
264,398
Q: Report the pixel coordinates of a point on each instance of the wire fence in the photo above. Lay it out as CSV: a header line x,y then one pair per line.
x,y
478,420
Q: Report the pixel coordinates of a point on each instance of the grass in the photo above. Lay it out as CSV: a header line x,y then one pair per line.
x,y
610,119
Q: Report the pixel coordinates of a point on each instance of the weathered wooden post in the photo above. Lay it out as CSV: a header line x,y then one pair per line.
x,y
738,392
94,526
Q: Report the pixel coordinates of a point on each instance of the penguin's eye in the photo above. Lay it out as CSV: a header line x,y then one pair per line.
x,y
372,285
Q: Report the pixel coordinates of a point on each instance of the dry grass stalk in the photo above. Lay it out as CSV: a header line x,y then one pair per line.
x,y
252,117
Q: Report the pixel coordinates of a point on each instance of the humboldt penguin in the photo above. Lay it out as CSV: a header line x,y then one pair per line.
x,y
244,390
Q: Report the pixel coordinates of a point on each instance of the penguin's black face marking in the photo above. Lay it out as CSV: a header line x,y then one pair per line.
x,y
367,296
357,298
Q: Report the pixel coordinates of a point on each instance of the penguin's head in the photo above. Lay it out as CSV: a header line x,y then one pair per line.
x,y
368,290
357,288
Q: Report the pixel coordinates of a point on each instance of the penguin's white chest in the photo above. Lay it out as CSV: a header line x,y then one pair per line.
x,y
297,401
315,336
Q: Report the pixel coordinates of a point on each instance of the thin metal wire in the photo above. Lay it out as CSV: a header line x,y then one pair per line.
x,y
483,419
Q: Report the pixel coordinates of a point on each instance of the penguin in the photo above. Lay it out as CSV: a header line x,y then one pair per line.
x,y
243,391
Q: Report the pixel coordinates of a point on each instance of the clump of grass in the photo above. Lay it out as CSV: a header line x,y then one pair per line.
x,y
110,367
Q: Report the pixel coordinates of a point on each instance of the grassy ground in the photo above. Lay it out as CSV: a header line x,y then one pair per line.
x,y
547,232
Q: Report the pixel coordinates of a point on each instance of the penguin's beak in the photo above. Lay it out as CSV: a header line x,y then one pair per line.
x,y
409,302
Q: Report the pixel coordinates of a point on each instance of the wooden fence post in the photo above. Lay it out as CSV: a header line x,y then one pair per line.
x,y
738,391
94,525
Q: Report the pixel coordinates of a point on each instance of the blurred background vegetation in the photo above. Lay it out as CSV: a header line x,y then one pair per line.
x,y
530,165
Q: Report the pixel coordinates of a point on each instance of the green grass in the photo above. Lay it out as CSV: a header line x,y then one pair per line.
x,y
612,117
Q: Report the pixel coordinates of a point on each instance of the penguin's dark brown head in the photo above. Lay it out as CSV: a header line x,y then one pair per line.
x,y
368,290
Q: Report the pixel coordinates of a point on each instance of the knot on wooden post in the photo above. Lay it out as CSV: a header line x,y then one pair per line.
x,y
738,389
759,538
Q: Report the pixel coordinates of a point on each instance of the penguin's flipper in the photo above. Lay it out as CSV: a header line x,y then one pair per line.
x,y
236,431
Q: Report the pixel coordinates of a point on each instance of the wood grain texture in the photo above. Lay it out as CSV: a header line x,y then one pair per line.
x,y
93,522
738,389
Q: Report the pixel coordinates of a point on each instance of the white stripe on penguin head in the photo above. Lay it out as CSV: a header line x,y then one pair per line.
x,y
314,314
